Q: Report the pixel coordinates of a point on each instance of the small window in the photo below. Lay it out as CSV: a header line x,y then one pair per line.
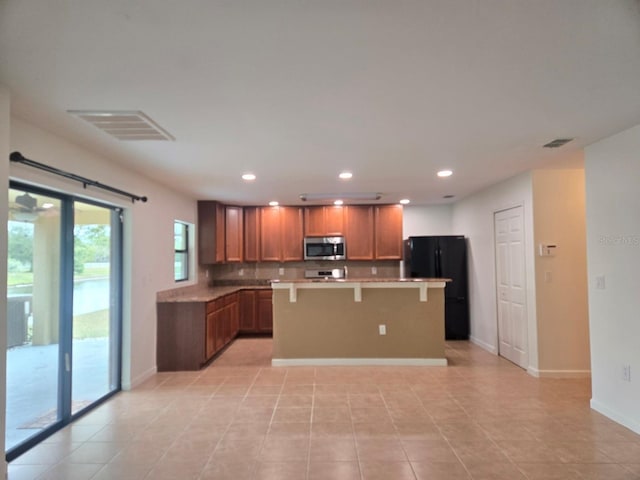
x,y
181,246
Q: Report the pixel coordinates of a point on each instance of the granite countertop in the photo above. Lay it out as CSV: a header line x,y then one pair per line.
x,y
203,294
361,280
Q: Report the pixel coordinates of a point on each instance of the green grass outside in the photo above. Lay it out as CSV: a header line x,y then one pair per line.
x,y
91,325
26,278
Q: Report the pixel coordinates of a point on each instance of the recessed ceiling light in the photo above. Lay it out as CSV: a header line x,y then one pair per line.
x,y
273,203
248,176
345,175
338,202
445,173
405,201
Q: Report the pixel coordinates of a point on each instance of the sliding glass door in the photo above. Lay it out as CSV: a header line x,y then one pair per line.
x,y
64,311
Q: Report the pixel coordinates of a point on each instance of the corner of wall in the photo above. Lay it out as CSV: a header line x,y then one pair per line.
x,y
5,129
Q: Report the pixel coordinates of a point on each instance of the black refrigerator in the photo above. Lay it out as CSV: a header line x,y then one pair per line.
x,y
443,257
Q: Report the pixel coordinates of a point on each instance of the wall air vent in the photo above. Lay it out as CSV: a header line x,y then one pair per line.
x,y
558,142
124,125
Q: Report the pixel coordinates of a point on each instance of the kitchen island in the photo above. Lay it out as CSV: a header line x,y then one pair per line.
x,y
358,322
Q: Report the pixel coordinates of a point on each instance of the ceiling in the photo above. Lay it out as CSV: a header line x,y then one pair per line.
x,y
296,91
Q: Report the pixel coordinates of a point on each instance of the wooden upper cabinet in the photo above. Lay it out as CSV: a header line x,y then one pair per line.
x,y
324,221
388,232
234,244
292,234
314,221
270,239
211,232
281,234
251,234
359,232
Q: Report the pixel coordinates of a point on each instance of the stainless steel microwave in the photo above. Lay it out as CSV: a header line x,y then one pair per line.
x,y
324,248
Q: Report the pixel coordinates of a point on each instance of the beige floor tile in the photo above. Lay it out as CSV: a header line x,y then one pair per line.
x,y
597,471
46,454
122,471
290,430
25,472
292,414
332,450
334,471
69,471
382,450
228,470
549,471
431,451
494,471
281,471
439,471
386,471
331,414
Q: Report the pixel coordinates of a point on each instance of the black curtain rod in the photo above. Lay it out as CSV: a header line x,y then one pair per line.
x,y
18,158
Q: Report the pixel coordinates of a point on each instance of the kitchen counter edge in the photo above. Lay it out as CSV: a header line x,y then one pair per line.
x,y
205,294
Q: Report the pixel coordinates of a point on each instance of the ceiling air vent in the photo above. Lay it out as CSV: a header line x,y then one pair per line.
x,y
558,142
124,125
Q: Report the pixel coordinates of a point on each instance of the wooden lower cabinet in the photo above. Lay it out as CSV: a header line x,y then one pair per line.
x,y
255,311
191,333
265,311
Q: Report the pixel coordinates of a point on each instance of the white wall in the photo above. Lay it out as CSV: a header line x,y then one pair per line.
x,y
4,178
148,242
473,217
612,169
427,220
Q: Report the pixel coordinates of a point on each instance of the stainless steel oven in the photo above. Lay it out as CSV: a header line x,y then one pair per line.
x,y
324,248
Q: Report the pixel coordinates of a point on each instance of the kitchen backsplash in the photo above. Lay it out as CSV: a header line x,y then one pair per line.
x,y
294,270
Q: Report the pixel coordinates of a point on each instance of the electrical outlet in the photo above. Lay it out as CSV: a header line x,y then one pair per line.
x,y
374,270
626,373
548,277
241,272
281,271
600,284
206,274
382,329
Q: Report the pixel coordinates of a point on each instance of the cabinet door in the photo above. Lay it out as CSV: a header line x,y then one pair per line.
x,y
359,232
251,232
233,234
210,335
219,322
334,221
270,241
388,232
234,313
248,311
327,221
314,221
265,311
211,232
292,234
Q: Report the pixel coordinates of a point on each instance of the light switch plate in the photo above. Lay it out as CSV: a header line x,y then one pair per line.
x,y
600,283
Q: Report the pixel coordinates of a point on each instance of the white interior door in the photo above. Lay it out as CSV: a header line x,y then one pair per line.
x,y
511,291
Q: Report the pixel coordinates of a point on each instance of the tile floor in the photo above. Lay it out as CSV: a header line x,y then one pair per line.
x,y
479,418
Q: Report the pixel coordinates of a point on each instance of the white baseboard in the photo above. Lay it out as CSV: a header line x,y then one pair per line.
x,y
424,362
487,346
558,373
615,416
140,379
